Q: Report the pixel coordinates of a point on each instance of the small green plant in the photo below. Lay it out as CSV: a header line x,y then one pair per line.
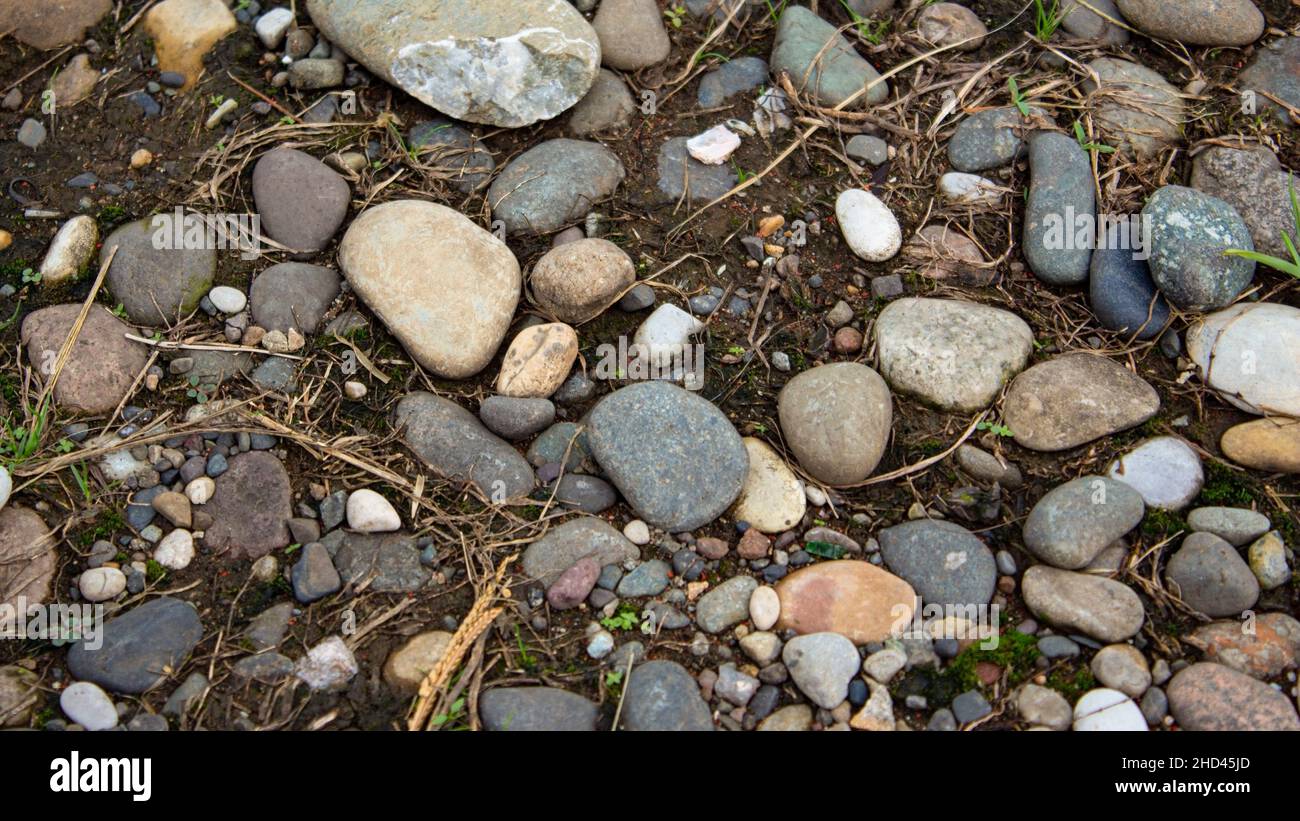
x,y
199,393
1017,98
736,350
456,711
1292,267
1046,21
120,311
775,12
217,99
525,658
82,478
741,174
31,276
871,30
675,15
998,430
153,571
626,618
18,443
1084,143
614,682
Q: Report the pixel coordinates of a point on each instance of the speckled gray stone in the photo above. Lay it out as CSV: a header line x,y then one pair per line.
x,y
1077,520
944,562
674,456
991,138
554,183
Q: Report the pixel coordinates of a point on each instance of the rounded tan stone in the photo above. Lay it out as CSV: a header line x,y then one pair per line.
x,y
442,285
538,361
579,280
1073,399
27,558
836,419
855,599
103,362
409,664
1102,608
1264,444
184,31
772,499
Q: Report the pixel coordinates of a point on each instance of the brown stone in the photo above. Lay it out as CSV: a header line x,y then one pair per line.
x,y
1264,444
251,507
753,545
74,83
847,341
27,558
184,31
48,24
1268,652
409,664
1073,399
538,361
853,598
578,280
711,548
102,364
174,507
945,252
1209,696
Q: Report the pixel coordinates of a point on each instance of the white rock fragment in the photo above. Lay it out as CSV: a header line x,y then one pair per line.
x,y
86,704
869,227
969,189
368,512
101,584
272,27
1108,710
227,300
664,338
6,486
329,665
200,490
714,146
176,550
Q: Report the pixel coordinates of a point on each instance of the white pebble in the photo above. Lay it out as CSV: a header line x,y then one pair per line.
x,y
816,496
869,227
200,490
176,550
368,512
227,300
637,532
89,706
600,644
272,26
764,607
1108,710
101,584
71,248
327,666
6,486
354,390
969,189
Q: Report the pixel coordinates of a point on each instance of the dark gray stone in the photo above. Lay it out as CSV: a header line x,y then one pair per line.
x,y
945,563
1060,188
516,418
293,295
139,646
1275,70
390,562
673,455
991,138
453,442
586,493
662,695
551,446
314,576
648,579
681,174
301,200
731,78
1121,293
1211,577
453,150
552,184
544,709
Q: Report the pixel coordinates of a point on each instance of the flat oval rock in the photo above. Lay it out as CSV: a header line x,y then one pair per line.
x,y
853,598
140,648
1073,399
674,456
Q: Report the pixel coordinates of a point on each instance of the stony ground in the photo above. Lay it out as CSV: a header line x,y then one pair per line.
x,y
939,463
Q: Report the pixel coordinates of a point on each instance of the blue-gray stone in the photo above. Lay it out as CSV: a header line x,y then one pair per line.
x,y
834,73
1057,647
551,446
140,648
515,418
730,79
662,695
648,579
945,563
1122,293
529,709
991,138
586,493
314,576
553,184
1275,70
390,562
675,457
453,442
1190,231
1060,191
681,174
970,706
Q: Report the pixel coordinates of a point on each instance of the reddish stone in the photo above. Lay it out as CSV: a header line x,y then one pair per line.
x,y
711,548
753,545
574,584
847,341
1269,651
853,598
